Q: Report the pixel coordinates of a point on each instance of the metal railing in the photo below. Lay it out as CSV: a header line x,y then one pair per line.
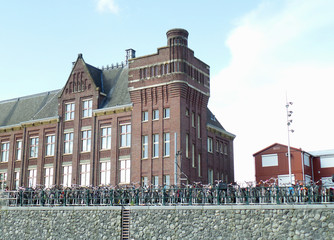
x,y
148,196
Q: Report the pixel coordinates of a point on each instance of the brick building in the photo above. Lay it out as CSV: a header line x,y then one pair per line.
x,y
145,121
272,162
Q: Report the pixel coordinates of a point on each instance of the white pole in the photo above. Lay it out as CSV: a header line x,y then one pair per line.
x,y
288,124
175,160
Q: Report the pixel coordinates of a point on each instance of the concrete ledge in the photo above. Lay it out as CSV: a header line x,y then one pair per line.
x,y
64,208
235,207
198,207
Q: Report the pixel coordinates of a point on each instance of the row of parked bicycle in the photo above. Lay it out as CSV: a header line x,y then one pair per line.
x,y
195,194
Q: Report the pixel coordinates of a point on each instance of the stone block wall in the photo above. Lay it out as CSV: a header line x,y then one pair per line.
x,y
170,222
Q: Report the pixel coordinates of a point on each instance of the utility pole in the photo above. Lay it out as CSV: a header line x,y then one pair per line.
x,y
289,121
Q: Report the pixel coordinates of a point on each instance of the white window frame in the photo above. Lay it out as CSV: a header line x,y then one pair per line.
x,y
210,143
155,145
68,142
327,161
187,145
193,155
50,145
106,138
269,160
199,165
4,152
167,180
32,177
67,176
87,108
199,126
166,144
85,174
155,114
48,177
210,176
33,147
144,116
307,159
144,147
3,180
105,173
16,179
166,113
69,111
86,140
18,152
125,168
155,181
125,135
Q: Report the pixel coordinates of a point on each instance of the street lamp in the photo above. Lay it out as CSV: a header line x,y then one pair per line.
x,y
289,121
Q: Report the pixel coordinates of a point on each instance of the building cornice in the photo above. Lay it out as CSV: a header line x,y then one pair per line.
x,y
168,83
113,110
30,123
221,131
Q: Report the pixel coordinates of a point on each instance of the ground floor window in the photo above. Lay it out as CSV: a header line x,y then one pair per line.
x,y
84,174
105,173
125,171
3,180
67,176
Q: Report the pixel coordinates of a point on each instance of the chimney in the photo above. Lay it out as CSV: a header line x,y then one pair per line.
x,y
130,53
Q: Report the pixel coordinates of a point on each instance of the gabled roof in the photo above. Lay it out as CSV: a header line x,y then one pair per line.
x,y
275,144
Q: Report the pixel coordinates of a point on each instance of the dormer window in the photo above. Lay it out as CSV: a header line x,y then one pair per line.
x,y
69,111
87,108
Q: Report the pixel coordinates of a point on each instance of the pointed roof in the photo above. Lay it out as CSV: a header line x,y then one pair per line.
x,y
276,144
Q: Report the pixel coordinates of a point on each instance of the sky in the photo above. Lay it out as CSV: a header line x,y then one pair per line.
x,y
261,54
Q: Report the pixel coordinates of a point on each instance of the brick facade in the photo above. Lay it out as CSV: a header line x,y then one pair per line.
x,y
170,89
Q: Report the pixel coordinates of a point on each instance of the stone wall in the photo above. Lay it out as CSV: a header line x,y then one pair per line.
x,y
170,222
234,222
60,223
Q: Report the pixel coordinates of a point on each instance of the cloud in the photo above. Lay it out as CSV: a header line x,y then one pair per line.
x,y
107,6
279,47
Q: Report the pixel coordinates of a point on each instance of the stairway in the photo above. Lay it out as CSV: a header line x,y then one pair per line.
x,y
125,223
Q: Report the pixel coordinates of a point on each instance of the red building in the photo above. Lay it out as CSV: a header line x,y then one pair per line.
x,y
272,162
145,121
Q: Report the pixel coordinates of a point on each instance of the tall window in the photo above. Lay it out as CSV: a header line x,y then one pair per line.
x,y
16,179
32,177
105,173
166,112
3,180
210,176
145,116
144,181
199,126
4,152
125,171
193,155
155,115
68,143
34,147
144,147
106,138
18,150
193,119
155,181
126,135
87,108
187,145
210,145
166,180
199,165
67,176
155,145
86,140
85,174
48,177
166,144
50,145
69,111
